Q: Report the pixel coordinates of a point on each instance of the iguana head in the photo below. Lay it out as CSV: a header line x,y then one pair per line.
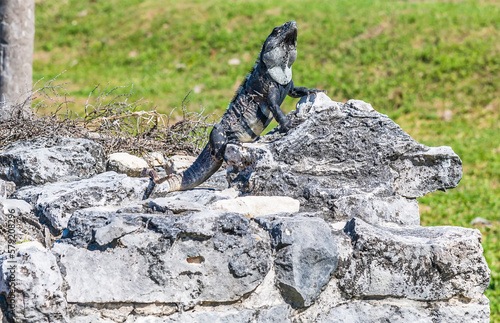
x,y
280,51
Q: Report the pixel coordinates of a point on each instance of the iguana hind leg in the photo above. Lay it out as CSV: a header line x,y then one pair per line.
x,y
207,163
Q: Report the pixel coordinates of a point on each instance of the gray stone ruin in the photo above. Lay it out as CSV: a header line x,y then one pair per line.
x,y
317,225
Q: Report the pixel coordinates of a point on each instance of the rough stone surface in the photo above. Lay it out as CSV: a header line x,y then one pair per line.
x,y
192,200
154,159
18,207
435,263
44,160
18,223
38,293
407,311
253,206
124,163
422,172
278,314
306,256
203,257
337,150
353,252
375,209
178,163
6,189
57,201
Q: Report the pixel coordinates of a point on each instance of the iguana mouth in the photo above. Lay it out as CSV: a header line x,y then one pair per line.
x,y
291,33
291,37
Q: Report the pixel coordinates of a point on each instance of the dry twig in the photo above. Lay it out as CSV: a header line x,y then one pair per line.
x,y
110,119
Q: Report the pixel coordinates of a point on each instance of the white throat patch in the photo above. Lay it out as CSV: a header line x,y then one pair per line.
x,y
281,74
279,64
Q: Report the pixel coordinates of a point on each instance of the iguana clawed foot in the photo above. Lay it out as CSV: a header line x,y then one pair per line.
x,y
149,172
314,91
285,126
153,175
153,180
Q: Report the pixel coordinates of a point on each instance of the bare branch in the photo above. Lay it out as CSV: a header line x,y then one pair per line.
x,y
110,118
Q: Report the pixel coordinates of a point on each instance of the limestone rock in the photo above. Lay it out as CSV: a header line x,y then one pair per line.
x,y
203,257
154,159
336,150
6,189
124,163
422,172
191,200
44,160
352,252
113,230
19,207
395,310
57,201
178,163
375,209
427,264
276,314
38,294
306,256
18,224
253,206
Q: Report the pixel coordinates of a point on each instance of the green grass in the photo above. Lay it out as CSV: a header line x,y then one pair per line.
x,y
420,62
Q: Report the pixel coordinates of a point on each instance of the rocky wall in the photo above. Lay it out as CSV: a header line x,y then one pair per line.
x,y
319,225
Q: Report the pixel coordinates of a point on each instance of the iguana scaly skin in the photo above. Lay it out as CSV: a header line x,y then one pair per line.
x,y
254,106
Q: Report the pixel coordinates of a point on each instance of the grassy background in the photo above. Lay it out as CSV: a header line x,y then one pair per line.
x,y
432,66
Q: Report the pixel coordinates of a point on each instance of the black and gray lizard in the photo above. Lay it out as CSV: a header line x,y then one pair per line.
x,y
253,107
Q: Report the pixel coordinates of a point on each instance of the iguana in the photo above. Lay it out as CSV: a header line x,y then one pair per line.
x,y
253,107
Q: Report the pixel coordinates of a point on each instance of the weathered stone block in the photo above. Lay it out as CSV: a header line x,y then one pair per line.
x,y
336,150
6,189
394,310
376,209
44,160
57,201
306,256
124,163
253,206
190,259
38,293
428,264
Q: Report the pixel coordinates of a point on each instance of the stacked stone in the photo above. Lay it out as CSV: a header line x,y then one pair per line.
x,y
318,225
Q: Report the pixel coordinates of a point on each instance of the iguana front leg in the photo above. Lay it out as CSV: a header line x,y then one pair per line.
x,y
300,91
274,105
273,101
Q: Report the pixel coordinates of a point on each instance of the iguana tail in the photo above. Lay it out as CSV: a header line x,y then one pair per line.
x,y
203,167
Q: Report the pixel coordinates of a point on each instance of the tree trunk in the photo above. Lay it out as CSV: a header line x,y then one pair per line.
x,y
17,33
